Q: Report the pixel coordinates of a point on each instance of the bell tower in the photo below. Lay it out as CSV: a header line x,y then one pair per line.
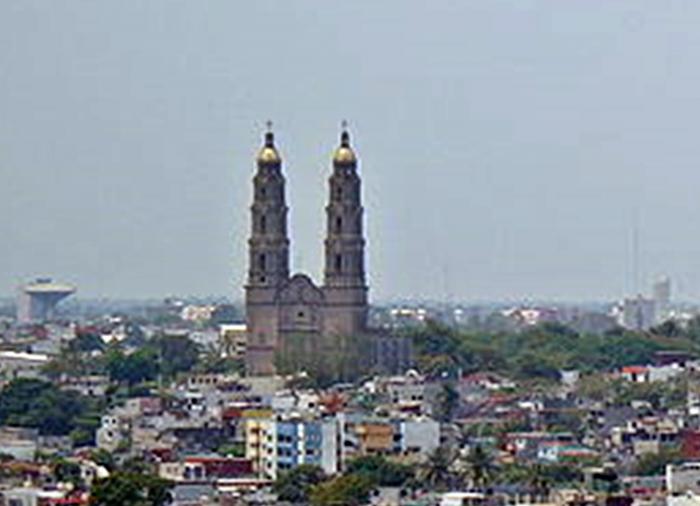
x,y
268,259
344,275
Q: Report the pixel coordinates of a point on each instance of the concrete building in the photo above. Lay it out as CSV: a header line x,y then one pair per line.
x,y
417,436
636,313
683,478
661,295
261,444
308,442
234,339
280,306
17,364
37,300
20,443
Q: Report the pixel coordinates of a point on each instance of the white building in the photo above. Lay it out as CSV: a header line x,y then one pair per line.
x,y
15,365
234,337
661,294
636,313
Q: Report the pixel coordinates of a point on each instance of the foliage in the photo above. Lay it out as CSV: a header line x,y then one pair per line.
x,y
41,405
175,353
294,485
72,363
326,360
131,488
103,458
669,328
541,351
232,450
652,464
164,355
81,437
480,467
348,490
67,472
380,471
131,368
213,360
540,477
86,342
437,471
447,402
619,392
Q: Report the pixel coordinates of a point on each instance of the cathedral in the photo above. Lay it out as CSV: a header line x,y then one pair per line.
x,y
281,307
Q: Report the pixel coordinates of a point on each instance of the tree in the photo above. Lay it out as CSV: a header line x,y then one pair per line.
x,y
669,328
345,490
436,471
41,405
174,353
480,467
131,368
134,489
68,472
652,464
294,485
381,471
86,341
447,402
103,458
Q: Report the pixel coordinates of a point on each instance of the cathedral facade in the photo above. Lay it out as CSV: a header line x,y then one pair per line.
x,y
281,307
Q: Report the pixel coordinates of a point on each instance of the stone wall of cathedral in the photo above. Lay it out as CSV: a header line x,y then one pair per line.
x,y
291,315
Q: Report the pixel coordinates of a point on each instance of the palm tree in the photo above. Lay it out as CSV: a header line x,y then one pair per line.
x,y
479,468
436,471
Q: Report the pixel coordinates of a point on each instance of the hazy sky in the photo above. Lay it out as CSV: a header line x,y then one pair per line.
x,y
508,148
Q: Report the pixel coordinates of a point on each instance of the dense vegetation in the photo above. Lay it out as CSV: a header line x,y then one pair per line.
x,y
163,356
542,351
308,483
38,404
134,488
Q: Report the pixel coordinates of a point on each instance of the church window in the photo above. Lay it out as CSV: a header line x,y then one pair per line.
x,y
338,224
338,263
339,192
262,261
263,224
300,314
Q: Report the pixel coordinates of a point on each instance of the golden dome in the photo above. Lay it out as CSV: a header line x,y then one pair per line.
x,y
344,154
268,153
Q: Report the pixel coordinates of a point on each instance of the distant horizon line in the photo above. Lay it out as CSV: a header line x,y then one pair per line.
x,y
222,299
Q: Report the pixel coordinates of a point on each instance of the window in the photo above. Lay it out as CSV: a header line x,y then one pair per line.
x,y
263,224
338,224
338,263
262,261
339,192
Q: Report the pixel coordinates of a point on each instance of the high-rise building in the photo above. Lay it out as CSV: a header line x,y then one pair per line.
x,y
281,307
636,313
661,293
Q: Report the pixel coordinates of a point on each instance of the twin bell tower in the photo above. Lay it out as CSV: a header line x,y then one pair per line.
x,y
285,311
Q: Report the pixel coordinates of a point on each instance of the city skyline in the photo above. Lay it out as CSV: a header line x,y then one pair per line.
x,y
529,144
